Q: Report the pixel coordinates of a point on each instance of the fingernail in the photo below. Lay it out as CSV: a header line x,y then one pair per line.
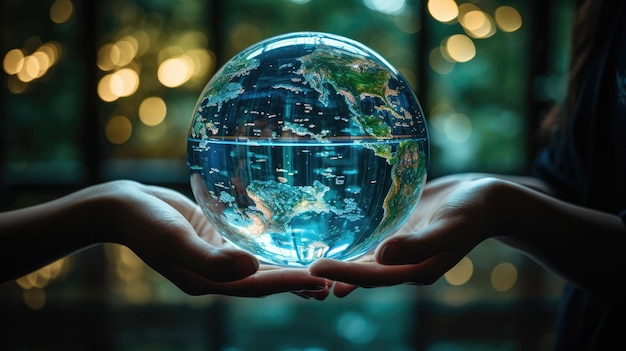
x,y
390,252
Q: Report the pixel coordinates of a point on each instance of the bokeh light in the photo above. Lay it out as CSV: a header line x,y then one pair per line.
x,y
61,11
438,63
503,276
461,273
118,129
389,7
508,19
457,127
176,71
35,298
474,20
29,67
152,111
127,275
443,10
33,284
118,84
13,61
460,48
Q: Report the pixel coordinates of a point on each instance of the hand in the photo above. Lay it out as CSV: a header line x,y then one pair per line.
x,y
171,234
164,228
454,214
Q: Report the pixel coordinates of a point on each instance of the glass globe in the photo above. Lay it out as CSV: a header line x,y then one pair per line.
x,y
307,145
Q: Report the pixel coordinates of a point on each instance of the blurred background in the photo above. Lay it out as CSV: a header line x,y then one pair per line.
x,y
99,90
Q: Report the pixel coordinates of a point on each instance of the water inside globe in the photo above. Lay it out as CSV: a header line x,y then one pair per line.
x,y
307,145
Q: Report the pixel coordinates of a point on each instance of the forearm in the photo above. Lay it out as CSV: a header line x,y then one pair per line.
x,y
35,236
582,245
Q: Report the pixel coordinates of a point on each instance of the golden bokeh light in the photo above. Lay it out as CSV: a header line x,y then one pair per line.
x,y
107,55
508,19
176,71
121,83
30,69
34,298
127,274
118,54
27,68
33,283
61,11
460,48
203,61
504,276
118,129
465,8
143,42
152,111
486,29
125,82
16,86
43,62
443,10
193,39
438,63
473,20
104,89
52,50
43,276
128,47
13,61
461,273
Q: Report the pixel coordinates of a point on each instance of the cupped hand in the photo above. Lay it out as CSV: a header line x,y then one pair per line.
x,y
454,214
170,233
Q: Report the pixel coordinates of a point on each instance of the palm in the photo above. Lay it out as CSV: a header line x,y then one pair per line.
x,y
170,233
440,214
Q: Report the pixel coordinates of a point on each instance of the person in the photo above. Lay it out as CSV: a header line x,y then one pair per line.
x,y
569,214
163,227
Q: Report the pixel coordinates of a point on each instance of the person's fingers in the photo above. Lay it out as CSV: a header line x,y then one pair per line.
x,y
260,284
341,289
214,264
427,242
360,273
316,294
372,274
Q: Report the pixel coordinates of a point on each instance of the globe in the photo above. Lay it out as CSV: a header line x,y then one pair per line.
x,y
307,145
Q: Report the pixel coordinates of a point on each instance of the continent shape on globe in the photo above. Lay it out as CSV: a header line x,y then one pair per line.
x,y
307,145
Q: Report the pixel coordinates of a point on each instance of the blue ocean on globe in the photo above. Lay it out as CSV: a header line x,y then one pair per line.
x,y
307,145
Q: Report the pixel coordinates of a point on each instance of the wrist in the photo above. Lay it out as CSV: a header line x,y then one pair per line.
x,y
98,210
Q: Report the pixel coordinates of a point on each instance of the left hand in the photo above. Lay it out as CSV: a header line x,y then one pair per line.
x,y
451,218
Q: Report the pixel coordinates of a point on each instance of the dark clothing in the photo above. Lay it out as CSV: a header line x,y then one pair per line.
x,y
588,167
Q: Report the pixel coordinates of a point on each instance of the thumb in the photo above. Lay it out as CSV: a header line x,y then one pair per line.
x,y
214,264
416,248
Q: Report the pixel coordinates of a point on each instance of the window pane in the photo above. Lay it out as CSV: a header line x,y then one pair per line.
x,y
153,60
477,77
41,92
